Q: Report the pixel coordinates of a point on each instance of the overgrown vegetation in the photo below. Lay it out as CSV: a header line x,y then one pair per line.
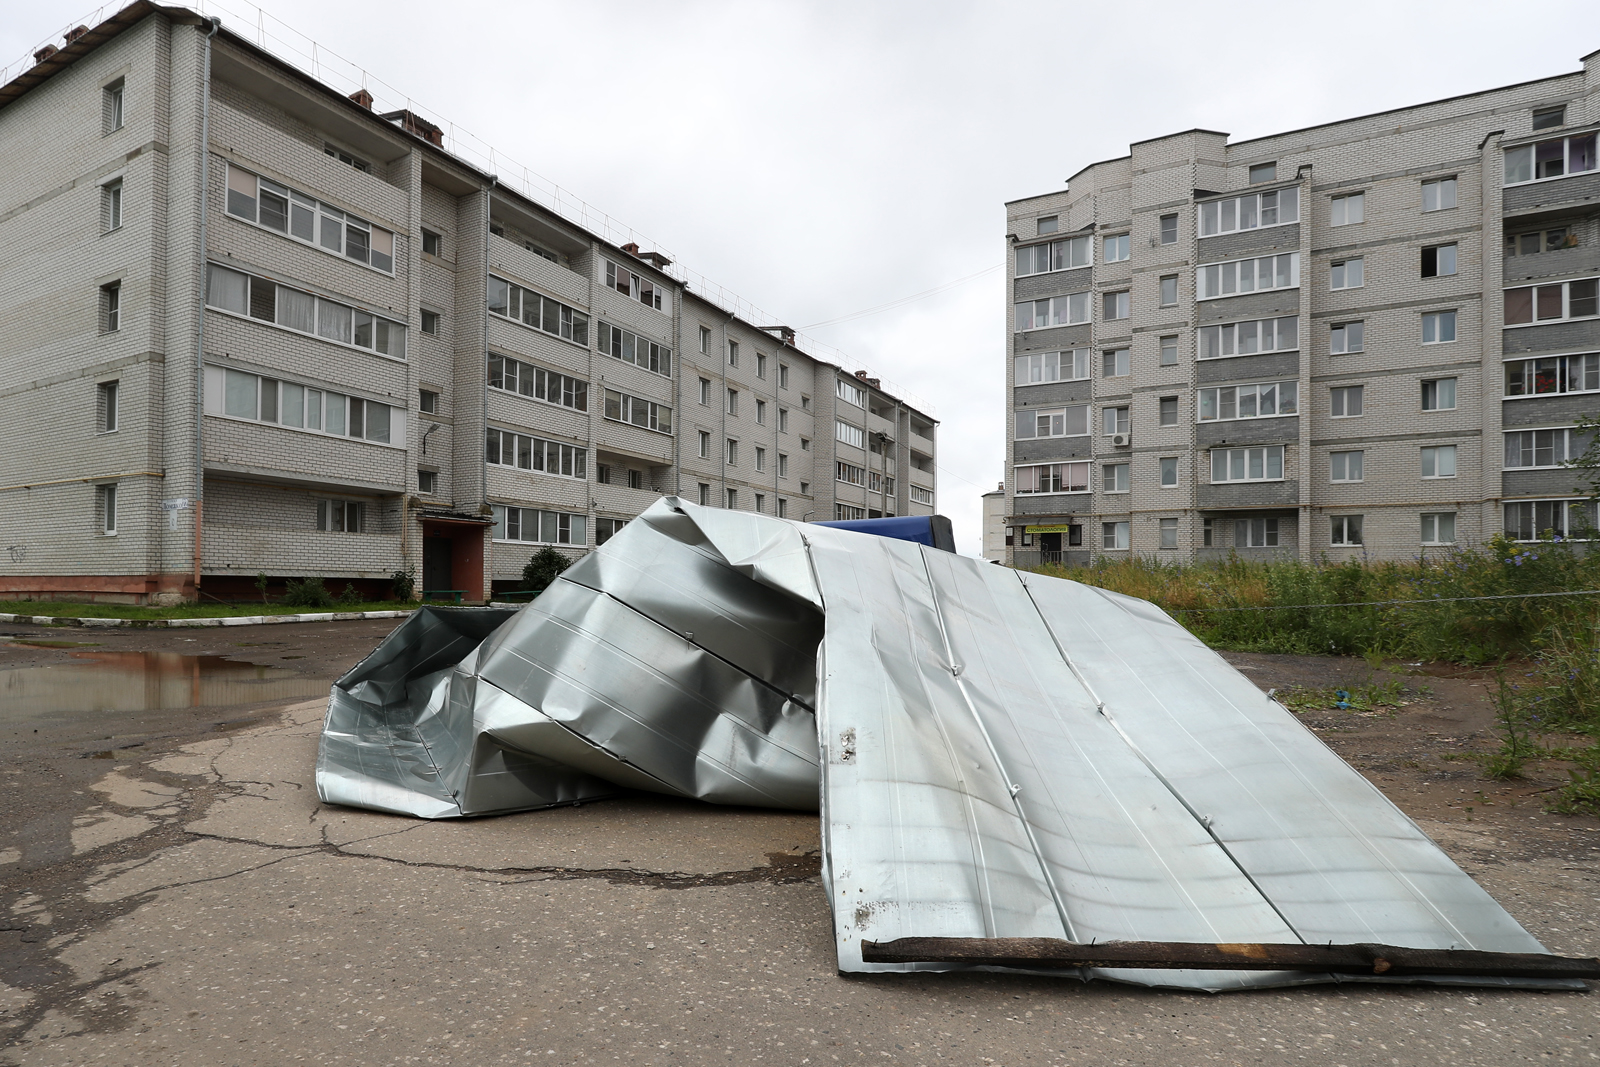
x,y
1546,648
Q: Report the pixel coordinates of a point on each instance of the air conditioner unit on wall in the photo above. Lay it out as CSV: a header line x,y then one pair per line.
x,y
1120,440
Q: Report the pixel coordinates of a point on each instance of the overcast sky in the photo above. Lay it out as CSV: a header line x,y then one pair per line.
x,y
820,159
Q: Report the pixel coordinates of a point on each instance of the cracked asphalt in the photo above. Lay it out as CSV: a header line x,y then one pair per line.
x,y
188,901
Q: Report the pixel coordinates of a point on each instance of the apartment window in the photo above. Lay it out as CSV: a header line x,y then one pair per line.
x,y
428,401
347,159
1169,351
848,512
1549,303
1347,401
1439,461
342,516
294,309
1114,477
783,508
1262,464
1116,248
1439,528
849,473
1047,224
733,401
1438,327
1114,535
705,495
1438,394
1249,212
1040,367
1263,172
1550,159
1115,419
1046,478
849,434
761,503
783,420
303,218
629,347
1115,305
106,504
106,405
515,376
805,403
111,206
1439,195
430,321
805,444
1538,241
635,479
1346,337
1255,533
783,464
1258,401
620,407
705,341
427,482
1553,374
705,444
111,307
1249,275
1169,290
849,393
1115,362
1347,273
761,460
805,488
1547,117
606,529
1541,448
1169,533
1169,472
1208,532
1055,311
1056,255
1348,210
1438,261
1248,338
430,243
113,105
761,412
921,495
783,376
733,353
1167,408
1345,530
705,391
636,286
249,396
531,524
1528,520
540,312
506,449
1346,466
731,452
761,368
1169,229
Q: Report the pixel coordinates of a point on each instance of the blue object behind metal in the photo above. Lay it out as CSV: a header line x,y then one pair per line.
x,y
931,530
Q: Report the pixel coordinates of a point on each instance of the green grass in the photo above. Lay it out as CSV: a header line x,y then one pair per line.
x,y
67,609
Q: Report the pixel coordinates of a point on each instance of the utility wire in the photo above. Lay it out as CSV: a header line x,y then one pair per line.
x,y
903,300
1386,603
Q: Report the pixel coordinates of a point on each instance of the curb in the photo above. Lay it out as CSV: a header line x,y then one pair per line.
x,y
190,624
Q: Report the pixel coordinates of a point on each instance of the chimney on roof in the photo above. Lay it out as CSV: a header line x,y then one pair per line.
x,y
876,383
632,249
362,97
76,32
45,53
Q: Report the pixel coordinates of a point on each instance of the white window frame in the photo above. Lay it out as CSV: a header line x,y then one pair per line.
x,y
1455,387
577,531
1339,401
1224,337
1340,466
570,322
626,346
1212,286
1438,453
1339,273
1117,247
1256,533
1566,530
1438,318
1439,257
1168,464
626,281
1065,417
1120,360
1120,418
1267,455
705,392
1564,444
850,393
1116,306
1215,398
1035,368
705,444
572,461
327,401
1566,285
521,369
1442,189
106,502
921,495
323,217
1210,221
1162,229
1061,478
1070,253
111,205
1116,478
1340,209
1346,531
1061,310
1164,283
1563,374
378,325
850,434
849,473
1339,337
1169,344
624,405
1529,152
1167,530
1435,523
1115,536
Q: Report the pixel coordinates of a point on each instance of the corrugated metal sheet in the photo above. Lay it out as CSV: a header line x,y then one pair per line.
x,y
1000,754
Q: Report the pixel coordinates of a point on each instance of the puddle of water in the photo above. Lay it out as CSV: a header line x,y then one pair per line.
x,y
115,682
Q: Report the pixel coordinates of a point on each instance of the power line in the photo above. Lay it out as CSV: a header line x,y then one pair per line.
x,y
890,305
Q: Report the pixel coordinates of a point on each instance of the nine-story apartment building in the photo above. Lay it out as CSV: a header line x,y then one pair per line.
x,y
1369,337
253,326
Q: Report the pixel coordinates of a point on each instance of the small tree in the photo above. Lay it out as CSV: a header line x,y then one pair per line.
x,y
261,584
403,584
543,568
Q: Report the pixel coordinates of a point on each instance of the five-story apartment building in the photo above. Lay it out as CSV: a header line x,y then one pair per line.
x,y
253,326
1373,337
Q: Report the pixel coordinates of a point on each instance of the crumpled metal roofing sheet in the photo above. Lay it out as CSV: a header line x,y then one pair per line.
x,y
1000,754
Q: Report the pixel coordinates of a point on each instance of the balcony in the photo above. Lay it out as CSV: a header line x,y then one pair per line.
x,y
512,260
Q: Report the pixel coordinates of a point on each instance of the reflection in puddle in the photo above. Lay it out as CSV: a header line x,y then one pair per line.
x,y
144,681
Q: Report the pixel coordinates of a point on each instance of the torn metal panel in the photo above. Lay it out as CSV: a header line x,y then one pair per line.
x,y
999,755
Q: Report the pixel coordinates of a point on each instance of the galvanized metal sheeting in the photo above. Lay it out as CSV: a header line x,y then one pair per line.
x,y
1001,754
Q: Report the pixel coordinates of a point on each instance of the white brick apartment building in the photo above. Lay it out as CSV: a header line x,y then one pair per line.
x,y
249,325
1370,337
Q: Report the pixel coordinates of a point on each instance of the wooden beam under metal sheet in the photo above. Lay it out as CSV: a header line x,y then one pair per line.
x,y
1034,953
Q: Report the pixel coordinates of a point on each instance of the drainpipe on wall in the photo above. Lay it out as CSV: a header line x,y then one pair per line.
x,y
200,304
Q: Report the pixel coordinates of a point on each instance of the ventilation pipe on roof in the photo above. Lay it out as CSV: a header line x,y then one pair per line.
x,y
76,32
362,97
45,53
